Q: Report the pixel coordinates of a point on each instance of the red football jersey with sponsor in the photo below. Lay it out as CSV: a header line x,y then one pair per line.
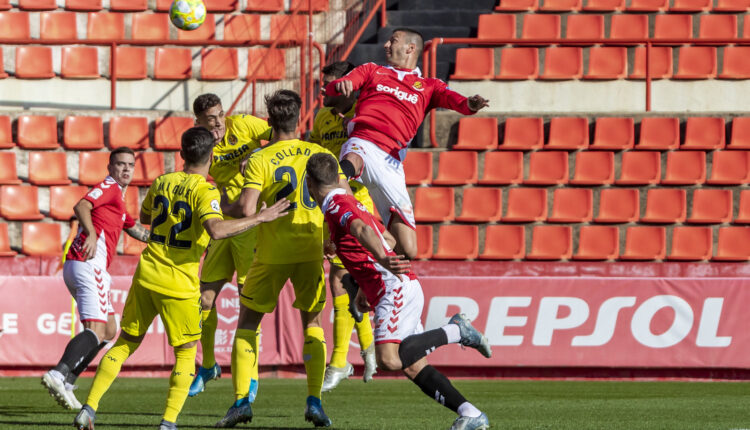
x,y
392,103
109,218
340,209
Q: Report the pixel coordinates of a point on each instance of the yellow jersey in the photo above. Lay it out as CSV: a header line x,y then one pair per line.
x,y
278,171
328,130
178,204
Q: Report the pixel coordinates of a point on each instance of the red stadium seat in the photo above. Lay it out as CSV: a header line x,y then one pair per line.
x,y
6,134
265,64
83,5
582,26
418,167
288,27
168,132
48,168
92,167
717,26
128,131
37,4
629,27
132,246
302,6
691,244
57,25
743,214
173,63
502,168
83,132
131,63
548,168
3,75
207,30
245,27
128,5
41,239
740,132
457,242
477,133
517,5
496,26
613,133
504,242
645,243
132,202
604,6
5,250
730,168
734,244
711,206
618,206
522,133
526,205
572,205
14,25
62,199
8,172
536,27
691,6
150,26
696,62
148,165
19,203
659,133
661,63
434,204
551,242
648,6
594,168
568,133
34,62
424,242
665,206
561,5
265,5
704,133
518,64
456,168
37,132
732,6
598,243
219,64
474,64
736,63
685,168
5,5
106,26
607,62
163,5
562,63
80,62
222,5
481,205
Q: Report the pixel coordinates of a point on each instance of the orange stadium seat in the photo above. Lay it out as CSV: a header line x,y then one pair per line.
x,y
659,133
717,26
561,5
604,6
618,205
105,26
648,6
207,31
711,206
734,244
628,27
730,168
597,242
264,5
594,168
572,205
219,64
222,5
57,25
168,132
5,5
613,133
504,242
148,165
163,5
317,5
517,5
37,132
63,198
477,133
288,27
740,132
132,246
131,63
502,168
496,26
34,62
8,172
150,26
732,6
691,244
481,205
704,133
607,62
37,4
5,250
743,214
6,133
665,206
424,242
83,132
179,164
645,243
585,27
685,168
536,27
19,203
245,27
562,63
3,75
418,167
265,64
128,5
457,242
434,204
92,167
474,64
696,62
80,62
551,242
456,168
523,133
173,63
14,25
691,6
548,168
661,63
83,5
568,133
526,205
736,63
132,202
518,64
41,239
48,168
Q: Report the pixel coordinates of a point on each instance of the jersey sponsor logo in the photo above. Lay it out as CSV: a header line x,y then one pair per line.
x,y
344,218
237,153
400,94
334,135
95,193
215,205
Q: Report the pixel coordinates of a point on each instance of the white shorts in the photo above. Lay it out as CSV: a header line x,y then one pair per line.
x,y
383,175
398,314
89,285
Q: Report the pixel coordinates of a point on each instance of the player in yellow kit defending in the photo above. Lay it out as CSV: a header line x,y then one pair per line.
x,y
184,212
329,130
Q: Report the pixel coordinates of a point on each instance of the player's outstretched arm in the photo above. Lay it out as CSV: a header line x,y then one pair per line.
x,y
138,232
366,236
83,213
221,229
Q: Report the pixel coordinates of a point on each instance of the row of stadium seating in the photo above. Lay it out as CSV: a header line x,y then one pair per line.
x,y
164,5
44,238
622,5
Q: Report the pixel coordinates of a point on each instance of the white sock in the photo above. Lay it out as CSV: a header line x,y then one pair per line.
x,y
453,332
466,409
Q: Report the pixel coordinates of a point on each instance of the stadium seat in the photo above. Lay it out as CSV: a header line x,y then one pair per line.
x,y
8,172
179,165
265,64
640,168
665,206
704,133
418,168
740,132
474,64
5,5
568,133
562,63
288,27
594,168
456,168
105,26
37,132
648,6
150,26
496,26
523,133
736,63
219,64
628,27
132,246
132,202
551,242
163,5
504,242
83,132
717,26
80,62
131,63
734,244
517,5
645,243
582,26
539,27
561,5
661,63
3,74
502,168
548,168
302,6
222,5
5,250
696,62
711,206
14,25
730,168
168,132
691,6
63,198
34,62
572,205
732,6
92,167
83,5
743,214
48,168
691,244
526,205
518,64
457,242
37,4
659,133
481,205
618,205
245,27
148,165
6,133
613,133
128,5
597,242
607,63
264,5
604,6
207,30
424,242
477,133
41,239
434,204
19,203
57,25
173,63
685,168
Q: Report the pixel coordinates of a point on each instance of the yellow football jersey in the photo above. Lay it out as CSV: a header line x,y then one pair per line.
x,y
278,171
328,130
178,203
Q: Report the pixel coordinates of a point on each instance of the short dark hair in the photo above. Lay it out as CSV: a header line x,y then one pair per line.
x,y
414,37
205,102
197,145
283,110
120,150
338,69
323,169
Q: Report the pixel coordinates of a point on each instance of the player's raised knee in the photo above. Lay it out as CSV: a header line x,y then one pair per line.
x,y
389,362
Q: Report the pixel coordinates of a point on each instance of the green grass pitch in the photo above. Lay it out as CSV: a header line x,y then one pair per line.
x,y
397,404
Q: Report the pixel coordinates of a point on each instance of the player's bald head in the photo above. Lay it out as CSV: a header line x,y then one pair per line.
x,y
197,146
323,169
283,110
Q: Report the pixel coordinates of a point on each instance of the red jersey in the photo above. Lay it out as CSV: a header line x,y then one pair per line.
x,y
392,103
109,218
340,209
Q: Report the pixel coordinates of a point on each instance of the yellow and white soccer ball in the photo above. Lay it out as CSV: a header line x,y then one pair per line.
x,y
187,14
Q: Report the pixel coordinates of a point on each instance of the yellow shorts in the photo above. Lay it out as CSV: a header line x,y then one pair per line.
x,y
362,196
226,256
181,317
265,281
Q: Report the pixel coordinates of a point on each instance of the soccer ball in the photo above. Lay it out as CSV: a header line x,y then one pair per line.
x,y
187,14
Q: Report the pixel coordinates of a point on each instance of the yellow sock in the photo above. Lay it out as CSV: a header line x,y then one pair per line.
x,y
343,323
210,321
364,332
314,355
182,376
244,361
108,369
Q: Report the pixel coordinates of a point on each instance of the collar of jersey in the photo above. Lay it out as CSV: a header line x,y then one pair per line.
x,y
112,180
399,70
329,197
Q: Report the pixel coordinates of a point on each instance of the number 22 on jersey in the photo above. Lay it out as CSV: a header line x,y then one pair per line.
x,y
180,209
